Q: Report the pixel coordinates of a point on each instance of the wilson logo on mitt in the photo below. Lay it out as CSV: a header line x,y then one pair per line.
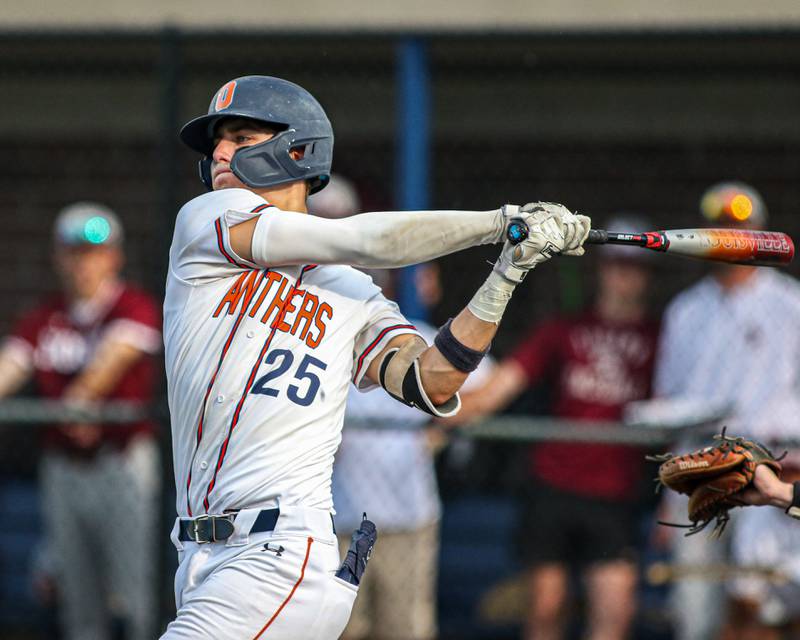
x,y
690,464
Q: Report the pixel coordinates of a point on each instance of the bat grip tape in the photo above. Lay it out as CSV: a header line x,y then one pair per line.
x,y
597,236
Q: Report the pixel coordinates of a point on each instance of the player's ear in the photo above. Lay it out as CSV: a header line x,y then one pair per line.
x,y
297,153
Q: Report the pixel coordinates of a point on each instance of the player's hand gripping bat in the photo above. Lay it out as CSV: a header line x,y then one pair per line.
x,y
738,246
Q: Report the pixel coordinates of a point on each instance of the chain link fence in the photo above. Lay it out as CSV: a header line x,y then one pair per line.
x,y
635,123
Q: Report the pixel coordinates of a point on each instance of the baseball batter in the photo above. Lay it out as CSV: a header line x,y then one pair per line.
x,y
265,328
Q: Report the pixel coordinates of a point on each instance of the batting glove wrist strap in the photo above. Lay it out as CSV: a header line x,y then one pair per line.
x,y
794,508
510,271
457,354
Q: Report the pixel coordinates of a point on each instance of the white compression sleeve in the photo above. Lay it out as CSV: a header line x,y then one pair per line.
x,y
377,240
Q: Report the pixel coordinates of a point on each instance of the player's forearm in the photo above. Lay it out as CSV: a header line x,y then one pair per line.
x,y
783,495
440,378
102,375
13,374
506,381
373,240
772,489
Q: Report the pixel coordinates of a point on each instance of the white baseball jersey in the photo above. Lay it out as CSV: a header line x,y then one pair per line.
x,y
258,363
739,348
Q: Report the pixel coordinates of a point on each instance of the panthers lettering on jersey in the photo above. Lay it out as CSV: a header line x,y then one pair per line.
x,y
259,362
302,313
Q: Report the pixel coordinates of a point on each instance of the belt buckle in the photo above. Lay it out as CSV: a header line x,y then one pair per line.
x,y
204,528
196,531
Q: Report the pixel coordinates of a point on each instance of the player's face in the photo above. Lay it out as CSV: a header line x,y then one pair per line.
x,y
230,136
623,280
83,268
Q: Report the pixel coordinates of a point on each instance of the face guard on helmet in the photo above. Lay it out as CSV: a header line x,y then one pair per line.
x,y
294,112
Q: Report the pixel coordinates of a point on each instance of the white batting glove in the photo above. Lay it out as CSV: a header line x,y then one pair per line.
x,y
576,229
546,238
552,229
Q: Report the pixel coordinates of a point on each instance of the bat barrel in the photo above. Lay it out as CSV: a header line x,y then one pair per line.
x,y
738,246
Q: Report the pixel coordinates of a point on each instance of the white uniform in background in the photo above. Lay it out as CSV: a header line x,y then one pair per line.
x,y
259,362
739,349
400,492
386,470
385,467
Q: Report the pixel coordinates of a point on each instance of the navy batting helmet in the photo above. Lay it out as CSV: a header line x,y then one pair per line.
x,y
294,112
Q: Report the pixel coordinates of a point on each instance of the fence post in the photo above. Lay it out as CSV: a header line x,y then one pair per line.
x,y
412,144
169,77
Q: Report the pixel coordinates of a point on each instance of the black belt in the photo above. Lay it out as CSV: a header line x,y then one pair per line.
x,y
216,528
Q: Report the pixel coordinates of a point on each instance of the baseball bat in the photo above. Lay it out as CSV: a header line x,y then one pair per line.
x,y
736,246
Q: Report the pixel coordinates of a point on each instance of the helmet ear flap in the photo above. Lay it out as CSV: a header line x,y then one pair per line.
x,y
205,172
318,184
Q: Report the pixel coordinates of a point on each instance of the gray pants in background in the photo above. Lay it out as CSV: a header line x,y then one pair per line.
x,y
397,598
101,520
699,606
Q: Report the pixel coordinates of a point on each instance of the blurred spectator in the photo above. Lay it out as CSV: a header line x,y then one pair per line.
x,y
94,341
384,467
733,340
580,506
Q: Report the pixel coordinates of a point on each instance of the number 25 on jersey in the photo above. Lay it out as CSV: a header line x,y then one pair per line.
x,y
308,385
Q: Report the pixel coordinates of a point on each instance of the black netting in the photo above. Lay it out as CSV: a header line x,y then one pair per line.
x,y
627,124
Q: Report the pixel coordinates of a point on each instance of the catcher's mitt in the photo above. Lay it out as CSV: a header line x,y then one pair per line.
x,y
712,477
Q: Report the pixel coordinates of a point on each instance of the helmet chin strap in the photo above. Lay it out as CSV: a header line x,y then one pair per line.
x,y
204,167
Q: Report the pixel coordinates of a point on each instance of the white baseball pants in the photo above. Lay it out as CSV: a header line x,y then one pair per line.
x,y
277,585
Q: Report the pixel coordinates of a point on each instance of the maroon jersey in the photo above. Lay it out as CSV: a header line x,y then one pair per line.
x,y
595,367
58,340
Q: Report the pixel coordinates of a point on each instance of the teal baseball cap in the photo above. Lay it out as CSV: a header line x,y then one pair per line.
x,y
87,223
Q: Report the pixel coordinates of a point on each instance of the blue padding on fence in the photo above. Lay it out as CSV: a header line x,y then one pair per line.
x,y
412,144
19,506
477,552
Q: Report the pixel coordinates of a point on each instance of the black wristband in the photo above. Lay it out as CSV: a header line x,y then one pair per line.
x,y
460,356
794,508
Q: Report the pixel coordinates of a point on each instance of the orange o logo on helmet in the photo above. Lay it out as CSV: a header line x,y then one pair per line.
x,y
225,96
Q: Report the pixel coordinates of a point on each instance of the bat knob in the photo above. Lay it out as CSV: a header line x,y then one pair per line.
x,y
517,231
